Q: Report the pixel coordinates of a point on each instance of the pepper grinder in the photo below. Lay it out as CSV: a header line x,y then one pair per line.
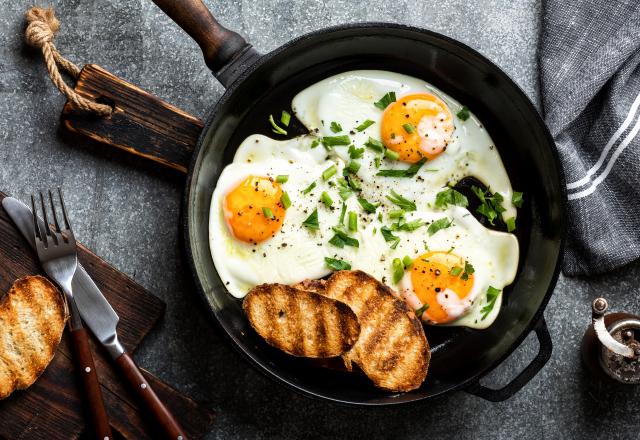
x,y
611,345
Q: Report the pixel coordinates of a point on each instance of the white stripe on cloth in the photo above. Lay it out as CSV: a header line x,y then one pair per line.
x,y
586,179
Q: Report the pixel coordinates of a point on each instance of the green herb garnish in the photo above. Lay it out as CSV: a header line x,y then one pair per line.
x,y
353,167
389,237
366,124
375,145
396,214
369,207
468,270
285,118
337,264
409,172
407,262
332,141
401,202
398,270
451,197
455,271
312,221
442,223
463,114
353,183
344,189
335,127
353,221
342,212
421,310
391,155
355,153
517,199
409,128
276,128
410,226
324,198
268,213
387,99
341,239
315,143
285,200
329,172
490,205
309,188
282,178
492,296
511,224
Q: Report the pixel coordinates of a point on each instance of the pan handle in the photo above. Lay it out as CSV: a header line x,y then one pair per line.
x,y
501,394
219,45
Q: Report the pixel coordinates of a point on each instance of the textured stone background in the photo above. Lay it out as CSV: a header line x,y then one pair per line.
x,y
129,217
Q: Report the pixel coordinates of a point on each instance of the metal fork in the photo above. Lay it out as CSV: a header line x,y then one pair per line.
x,y
57,251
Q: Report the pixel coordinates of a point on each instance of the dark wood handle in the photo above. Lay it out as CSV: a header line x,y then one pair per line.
x,y
219,45
141,387
91,387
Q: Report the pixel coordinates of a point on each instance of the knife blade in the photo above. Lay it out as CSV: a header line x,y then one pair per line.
x,y
94,308
100,317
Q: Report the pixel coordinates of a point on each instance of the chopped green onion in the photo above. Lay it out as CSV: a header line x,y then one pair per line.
x,y
342,212
397,213
421,310
401,202
312,221
398,270
332,141
337,264
407,262
450,197
511,224
276,128
353,167
354,183
490,205
442,223
335,127
329,172
411,226
353,221
268,213
391,155
282,178
463,114
375,145
285,118
492,296
409,172
344,190
324,198
369,207
517,199
389,237
365,125
455,271
341,239
387,99
309,188
355,153
315,143
285,200
377,162
409,128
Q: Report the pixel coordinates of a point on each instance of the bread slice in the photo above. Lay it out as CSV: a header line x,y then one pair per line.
x,y
392,349
32,318
301,323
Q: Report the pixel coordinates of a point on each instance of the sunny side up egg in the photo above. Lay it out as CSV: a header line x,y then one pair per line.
x,y
285,211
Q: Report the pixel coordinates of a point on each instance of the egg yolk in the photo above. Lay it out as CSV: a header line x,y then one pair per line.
x,y
416,126
253,210
440,274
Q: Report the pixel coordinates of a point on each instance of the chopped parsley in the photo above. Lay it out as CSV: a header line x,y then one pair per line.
x,y
329,172
285,118
490,205
442,223
463,114
450,197
285,200
309,188
268,213
389,237
492,296
366,124
275,127
355,153
517,199
344,189
353,167
335,127
341,239
387,99
409,172
282,178
312,221
335,264
332,141
401,202
369,207
374,144
511,224
468,270
315,143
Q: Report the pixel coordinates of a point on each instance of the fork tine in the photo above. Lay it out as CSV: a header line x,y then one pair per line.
x,y
64,210
53,209
47,227
36,223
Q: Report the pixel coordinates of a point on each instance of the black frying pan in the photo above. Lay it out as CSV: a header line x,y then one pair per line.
x,y
258,85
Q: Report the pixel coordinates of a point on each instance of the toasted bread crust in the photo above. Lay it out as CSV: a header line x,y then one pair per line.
x,y
32,318
301,323
392,349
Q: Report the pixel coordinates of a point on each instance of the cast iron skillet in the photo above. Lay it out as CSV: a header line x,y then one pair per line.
x,y
258,85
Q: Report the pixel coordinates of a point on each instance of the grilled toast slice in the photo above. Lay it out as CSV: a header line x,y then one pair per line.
x,y
301,323
392,349
32,318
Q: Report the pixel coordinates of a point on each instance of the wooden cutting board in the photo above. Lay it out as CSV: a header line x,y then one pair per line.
x,y
52,408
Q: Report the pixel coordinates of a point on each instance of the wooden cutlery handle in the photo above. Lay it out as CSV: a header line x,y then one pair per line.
x,y
141,387
89,377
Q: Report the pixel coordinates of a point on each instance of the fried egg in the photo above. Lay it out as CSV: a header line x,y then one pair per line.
x,y
284,211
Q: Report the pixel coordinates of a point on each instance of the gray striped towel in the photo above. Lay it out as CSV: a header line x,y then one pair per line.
x,y
589,59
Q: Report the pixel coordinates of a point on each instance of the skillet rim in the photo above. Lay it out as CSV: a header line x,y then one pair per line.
x,y
213,112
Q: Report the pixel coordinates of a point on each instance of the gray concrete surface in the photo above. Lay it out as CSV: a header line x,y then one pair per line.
x,y
129,217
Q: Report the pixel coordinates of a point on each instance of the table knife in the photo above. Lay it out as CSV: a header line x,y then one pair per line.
x,y
100,317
